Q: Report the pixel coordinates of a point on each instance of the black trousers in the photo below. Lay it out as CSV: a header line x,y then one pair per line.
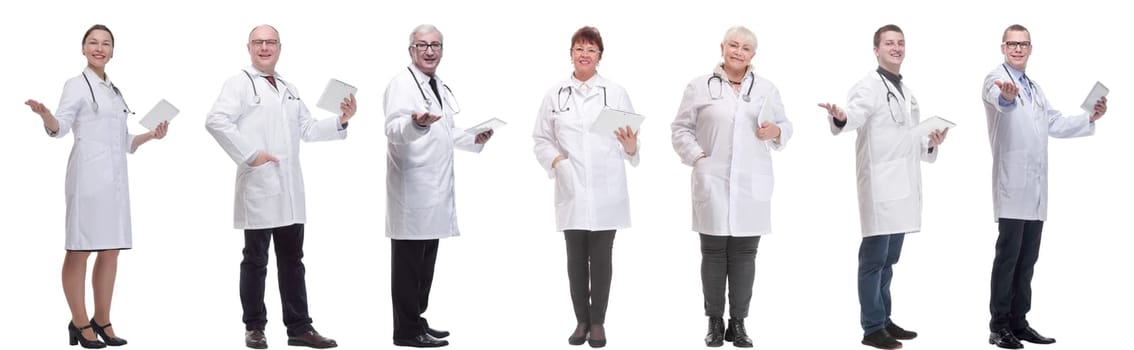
x,y
731,261
589,272
290,271
1017,250
411,276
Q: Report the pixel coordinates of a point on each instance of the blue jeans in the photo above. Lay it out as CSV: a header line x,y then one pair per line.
x,y
876,258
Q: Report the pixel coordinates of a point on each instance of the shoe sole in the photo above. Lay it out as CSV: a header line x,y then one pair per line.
x,y
993,342
292,342
256,346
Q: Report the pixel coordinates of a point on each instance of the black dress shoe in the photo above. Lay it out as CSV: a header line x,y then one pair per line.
x,y
101,331
715,338
882,340
899,333
75,335
422,341
436,333
737,334
1005,339
311,339
255,339
595,342
1029,335
580,335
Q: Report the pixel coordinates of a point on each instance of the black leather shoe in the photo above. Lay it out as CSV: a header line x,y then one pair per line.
x,y
899,333
255,339
101,331
595,342
436,333
715,338
75,335
1030,335
580,335
882,340
1005,339
311,339
422,341
737,334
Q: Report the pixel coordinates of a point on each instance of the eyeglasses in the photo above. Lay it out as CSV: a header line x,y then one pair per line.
x,y
422,46
269,42
1018,44
589,50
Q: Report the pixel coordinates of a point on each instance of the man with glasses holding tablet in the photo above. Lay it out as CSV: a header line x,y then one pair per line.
x,y
1020,120
420,204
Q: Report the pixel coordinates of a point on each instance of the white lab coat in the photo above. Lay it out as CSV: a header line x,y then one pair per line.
x,y
270,195
887,155
97,187
420,200
732,185
590,180
1018,135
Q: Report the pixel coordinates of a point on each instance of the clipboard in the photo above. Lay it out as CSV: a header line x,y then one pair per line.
x,y
1097,93
163,111
491,124
932,124
334,94
611,119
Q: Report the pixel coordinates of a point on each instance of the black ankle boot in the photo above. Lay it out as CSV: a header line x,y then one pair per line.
x,y
101,331
76,337
737,334
716,334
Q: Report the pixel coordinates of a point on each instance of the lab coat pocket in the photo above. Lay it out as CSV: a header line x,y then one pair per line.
x,y
564,183
94,171
762,180
422,187
701,185
1013,171
891,180
262,181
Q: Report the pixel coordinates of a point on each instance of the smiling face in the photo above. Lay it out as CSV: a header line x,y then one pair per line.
x,y
264,48
426,51
737,54
1017,48
891,50
585,56
98,47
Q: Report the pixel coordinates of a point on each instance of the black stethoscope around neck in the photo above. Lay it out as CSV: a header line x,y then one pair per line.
x,y
720,86
890,95
453,105
256,93
116,92
563,103
1030,83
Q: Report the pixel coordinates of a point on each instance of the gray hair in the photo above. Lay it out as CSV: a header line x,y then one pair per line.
x,y
425,29
743,34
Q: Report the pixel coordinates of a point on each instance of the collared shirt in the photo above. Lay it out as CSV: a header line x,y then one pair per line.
x,y
1021,81
894,79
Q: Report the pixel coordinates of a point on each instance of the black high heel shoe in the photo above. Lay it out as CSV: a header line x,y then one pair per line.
x,y
101,331
76,337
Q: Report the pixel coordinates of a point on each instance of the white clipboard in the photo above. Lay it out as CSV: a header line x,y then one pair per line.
x,y
1097,93
491,124
611,119
163,111
334,94
932,124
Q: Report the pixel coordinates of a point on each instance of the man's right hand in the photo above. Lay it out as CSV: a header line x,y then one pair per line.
x,y
834,111
1008,91
263,157
425,119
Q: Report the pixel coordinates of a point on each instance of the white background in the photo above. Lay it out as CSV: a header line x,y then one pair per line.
x,y
503,283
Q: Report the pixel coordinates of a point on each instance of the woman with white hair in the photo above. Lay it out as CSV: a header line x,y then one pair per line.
x,y
728,123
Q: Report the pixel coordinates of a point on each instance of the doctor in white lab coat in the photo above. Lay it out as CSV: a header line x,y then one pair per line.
x,y
592,201
883,110
259,121
420,199
97,186
726,127
1020,120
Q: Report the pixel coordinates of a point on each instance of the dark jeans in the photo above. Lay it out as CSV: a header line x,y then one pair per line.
x,y
876,258
589,271
290,271
730,260
411,277
1017,250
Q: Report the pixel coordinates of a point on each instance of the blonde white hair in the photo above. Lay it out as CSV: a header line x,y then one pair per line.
x,y
741,34
425,29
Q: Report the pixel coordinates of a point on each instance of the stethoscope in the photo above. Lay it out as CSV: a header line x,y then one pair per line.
x,y
720,87
256,94
890,94
453,105
563,104
116,92
1030,83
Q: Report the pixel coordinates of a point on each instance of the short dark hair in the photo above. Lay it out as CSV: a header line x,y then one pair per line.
x,y
588,35
883,29
98,27
1014,28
